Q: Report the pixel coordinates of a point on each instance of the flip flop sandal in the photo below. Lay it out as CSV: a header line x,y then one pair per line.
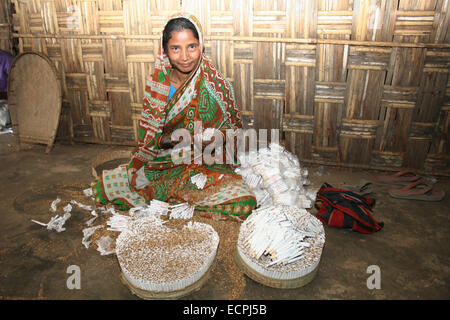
x,y
402,177
418,190
364,190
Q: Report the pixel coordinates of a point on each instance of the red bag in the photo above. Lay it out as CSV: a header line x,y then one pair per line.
x,y
346,209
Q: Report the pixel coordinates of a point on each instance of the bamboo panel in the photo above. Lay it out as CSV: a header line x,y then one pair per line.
x,y
243,66
299,109
394,129
415,154
361,83
334,22
300,144
361,149
95,80
386,159
302,19
80,113
65,130
415,20
437,156
5,25
5,41
374,20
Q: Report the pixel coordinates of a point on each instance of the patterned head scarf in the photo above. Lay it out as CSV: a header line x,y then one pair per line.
x,y
160,85
193,20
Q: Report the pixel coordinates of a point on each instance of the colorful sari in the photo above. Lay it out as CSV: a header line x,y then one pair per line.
x,y
206,97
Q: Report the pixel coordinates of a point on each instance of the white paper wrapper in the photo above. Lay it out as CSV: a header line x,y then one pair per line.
x,y
199,180
281,242
57,222
82,206
118,222
90,221
276,171
87,233
181,211
54,203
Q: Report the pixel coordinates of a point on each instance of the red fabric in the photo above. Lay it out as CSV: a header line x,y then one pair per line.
x,y
344,209
336,219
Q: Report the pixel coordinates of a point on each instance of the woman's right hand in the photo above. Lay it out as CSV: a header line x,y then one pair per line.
x,y
166,141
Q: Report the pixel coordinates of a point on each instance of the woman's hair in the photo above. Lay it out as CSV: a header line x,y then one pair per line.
x,y
176,25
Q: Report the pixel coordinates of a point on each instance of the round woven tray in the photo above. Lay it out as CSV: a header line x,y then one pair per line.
x,y
34,98
163,295
97,163
272,282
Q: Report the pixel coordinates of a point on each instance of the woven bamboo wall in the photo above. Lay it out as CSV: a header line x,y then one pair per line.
x,y
362,83
5,25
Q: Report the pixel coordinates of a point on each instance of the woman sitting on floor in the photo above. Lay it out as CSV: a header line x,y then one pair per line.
x,y
184,90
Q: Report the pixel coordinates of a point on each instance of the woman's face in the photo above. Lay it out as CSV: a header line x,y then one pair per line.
x,y
183,51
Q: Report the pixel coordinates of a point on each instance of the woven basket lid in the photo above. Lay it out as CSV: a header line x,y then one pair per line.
x,y
34,97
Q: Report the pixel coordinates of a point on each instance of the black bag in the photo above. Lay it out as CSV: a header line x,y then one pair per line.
x,y
346,209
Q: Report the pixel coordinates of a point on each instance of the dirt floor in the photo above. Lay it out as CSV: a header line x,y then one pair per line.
x,y
411,251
